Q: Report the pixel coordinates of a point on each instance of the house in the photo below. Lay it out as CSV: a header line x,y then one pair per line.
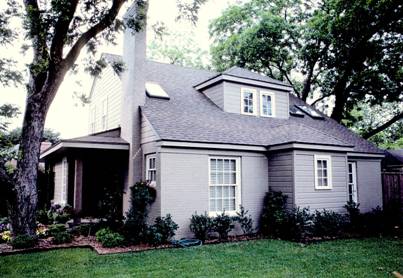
x,y
393,161
209,142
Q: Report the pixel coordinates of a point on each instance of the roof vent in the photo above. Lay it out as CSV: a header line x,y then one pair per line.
x,y
155,90
296,112
309,111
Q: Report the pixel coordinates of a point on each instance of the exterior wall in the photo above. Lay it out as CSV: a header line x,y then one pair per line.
x,y
184,180
147,131
232,99
369,183
281,174
305,193
106,87
216,94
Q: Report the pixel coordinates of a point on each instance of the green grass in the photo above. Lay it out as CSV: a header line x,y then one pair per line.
x,y
262,258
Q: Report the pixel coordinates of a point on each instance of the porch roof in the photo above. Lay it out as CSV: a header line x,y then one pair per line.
x,y
88,142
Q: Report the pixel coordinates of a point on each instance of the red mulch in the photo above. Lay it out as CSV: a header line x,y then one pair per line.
x,y
90,242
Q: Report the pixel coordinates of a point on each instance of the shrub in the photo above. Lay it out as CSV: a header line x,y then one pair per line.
x,y
43,217
222,224
108,238
162,231
23,241
88,229
62,237
244,220
56,228
42,231
297,224
135,226
328,223
273,213
200,225
60,214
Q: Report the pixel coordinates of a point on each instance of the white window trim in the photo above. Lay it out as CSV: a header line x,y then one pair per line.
x,y
148,157
237,189
273,103
328,158
354,183
254,92
64,181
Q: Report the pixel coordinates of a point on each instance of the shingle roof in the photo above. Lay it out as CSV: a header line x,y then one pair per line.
x,y
97,139
240,72
191,116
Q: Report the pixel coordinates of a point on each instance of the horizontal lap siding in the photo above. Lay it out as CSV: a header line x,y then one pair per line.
x,y
147,132
369,183
216,94
281,174
107,86
305,193
185,183
232,99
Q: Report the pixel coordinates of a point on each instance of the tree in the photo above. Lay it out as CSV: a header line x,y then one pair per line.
x,y
178,49
58,31
351,50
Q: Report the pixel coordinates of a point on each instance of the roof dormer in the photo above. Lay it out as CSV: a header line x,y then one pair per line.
x,y
244,92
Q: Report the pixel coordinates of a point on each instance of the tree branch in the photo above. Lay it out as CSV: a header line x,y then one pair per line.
x,y
319,99
91,33
61,29
383,126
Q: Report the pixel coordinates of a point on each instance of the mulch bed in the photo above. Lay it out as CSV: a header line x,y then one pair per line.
x,y
90,242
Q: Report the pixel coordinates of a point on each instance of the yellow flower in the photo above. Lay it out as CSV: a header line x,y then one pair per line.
x,y
6,236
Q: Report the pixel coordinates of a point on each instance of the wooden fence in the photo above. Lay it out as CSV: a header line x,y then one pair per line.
x,y
392,188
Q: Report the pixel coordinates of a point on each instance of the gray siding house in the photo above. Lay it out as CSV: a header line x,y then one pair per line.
x,y
209,142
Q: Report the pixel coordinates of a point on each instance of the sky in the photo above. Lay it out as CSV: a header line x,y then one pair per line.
x,y
67,114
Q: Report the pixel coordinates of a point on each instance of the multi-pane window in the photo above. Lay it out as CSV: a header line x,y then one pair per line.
x,y
248,101
224,185
104,118
151,169
352,182
266,104
64,181
323,175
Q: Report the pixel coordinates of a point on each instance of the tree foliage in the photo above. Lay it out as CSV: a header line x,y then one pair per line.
x,y
351,50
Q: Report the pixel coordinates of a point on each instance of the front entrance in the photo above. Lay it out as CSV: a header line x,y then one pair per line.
x,y
352,182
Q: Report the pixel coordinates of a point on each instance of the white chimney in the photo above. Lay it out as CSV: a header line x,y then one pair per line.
x,y
134,57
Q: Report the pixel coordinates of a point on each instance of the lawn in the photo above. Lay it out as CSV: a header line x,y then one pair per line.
x,y
262,258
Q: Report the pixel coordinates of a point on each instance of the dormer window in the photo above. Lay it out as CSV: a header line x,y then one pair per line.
x,y
267,108
248,101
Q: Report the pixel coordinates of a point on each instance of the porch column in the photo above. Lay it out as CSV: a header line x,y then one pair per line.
x,y
78,184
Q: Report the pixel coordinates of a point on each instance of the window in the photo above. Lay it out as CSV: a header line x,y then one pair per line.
x,y
104,114
92,120
352,182
224,187
151,169
155,90
323,172
64,181
267,101
248,101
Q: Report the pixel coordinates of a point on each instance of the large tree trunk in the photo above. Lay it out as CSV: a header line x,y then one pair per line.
x,y
23,207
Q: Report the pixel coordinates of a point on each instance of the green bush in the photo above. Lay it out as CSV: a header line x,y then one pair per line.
x,y
162,231
273,213
222,224
43,217
135,227
108,238
62,237
58,214
297,225
328,223
200,225
88,229
56,228
244,220
23,241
